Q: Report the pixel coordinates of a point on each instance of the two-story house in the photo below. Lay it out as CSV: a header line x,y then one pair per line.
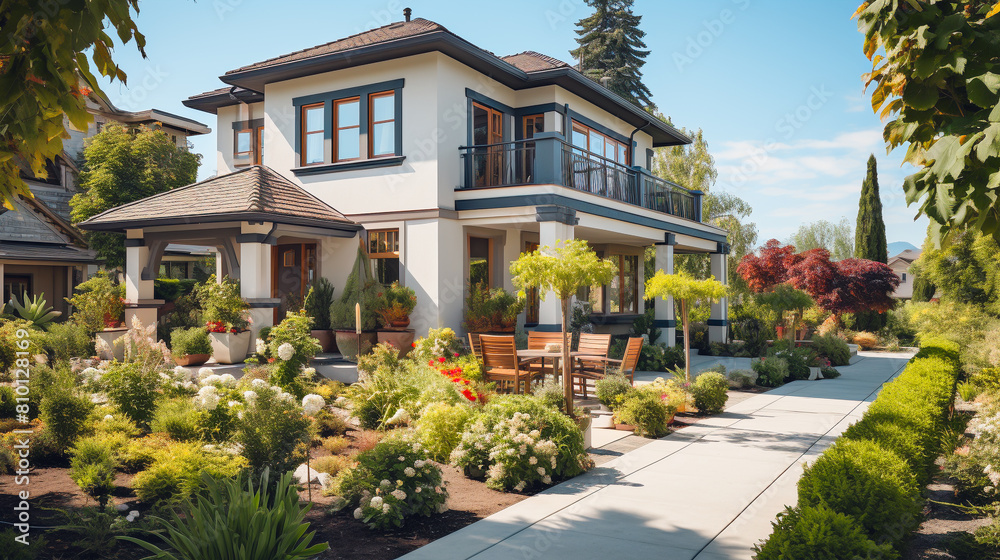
x,y
446,160
40,251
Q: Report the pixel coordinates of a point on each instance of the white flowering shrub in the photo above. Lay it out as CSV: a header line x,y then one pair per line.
x,y
521,442
312,403
272,429
392,481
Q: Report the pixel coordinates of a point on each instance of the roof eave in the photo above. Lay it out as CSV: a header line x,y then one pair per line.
x,y
112,225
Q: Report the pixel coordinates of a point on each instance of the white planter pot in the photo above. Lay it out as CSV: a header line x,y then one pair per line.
x,y
229,348
602,419
815,373
108,337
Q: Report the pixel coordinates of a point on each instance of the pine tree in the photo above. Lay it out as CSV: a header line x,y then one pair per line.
x,y
869,239
611,46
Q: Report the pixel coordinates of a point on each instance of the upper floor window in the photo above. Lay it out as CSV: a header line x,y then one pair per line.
x,y
350,125
601,144
243,147
313,131
382,126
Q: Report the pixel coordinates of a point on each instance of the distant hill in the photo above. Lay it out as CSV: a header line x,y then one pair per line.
x,y
897,247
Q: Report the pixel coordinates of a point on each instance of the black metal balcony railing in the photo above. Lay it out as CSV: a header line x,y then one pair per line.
x,y
554,161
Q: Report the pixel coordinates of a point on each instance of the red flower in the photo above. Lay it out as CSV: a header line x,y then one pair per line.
x,y
441,359
468,394
413,345
456,354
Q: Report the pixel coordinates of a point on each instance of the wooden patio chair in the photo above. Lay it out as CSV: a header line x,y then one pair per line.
x,y
597,366
476,346
538,340
501,365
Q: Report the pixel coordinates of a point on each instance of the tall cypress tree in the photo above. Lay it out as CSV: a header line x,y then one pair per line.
x,y
869,239
611,46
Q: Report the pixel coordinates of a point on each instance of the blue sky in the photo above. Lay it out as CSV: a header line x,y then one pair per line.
x,y
775,85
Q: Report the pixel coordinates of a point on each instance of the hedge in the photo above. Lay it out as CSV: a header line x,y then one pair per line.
x,y
874,473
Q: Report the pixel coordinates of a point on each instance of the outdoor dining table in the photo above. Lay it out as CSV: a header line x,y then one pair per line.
x,y
545,354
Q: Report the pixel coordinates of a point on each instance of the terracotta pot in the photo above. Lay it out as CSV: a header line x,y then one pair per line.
x,y
624,427
401,340
401,323
347,343
191,359
780,331
230,348
326,339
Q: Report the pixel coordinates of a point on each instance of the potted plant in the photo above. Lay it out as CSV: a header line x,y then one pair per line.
x,y
355,310
190,346
394,308
98,305
317,305
225,319
491,311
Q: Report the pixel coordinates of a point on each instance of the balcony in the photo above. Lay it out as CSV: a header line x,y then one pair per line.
x,y
553,161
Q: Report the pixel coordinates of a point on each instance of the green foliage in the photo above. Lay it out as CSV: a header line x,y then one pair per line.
x,y
871,484
262,521
359,288
611,388
837,238
965,270
819,533
395,303
8,401
686,290
647,411
134,389
489,310
787,303
293,332
17,551
551,393
392,481
440,426
515,422
223,304
933,80
67,340
709,390
869,237
176,418
273,432
771,372
611,47
799,359
47,79
97,301
833,348
92,468
754,334
439,343
188,341
17,336
64,413
174,471
171,289
185,314
34,310
317,303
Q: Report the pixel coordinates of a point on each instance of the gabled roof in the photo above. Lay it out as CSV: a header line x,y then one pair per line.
x,y
255,193
407,38
189,126
907,256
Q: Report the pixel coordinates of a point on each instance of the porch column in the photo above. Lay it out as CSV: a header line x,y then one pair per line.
x,y
556,223
718,322
663,309
1,284
255,279
139,304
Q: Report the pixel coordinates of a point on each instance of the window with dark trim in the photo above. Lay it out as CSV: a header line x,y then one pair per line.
x,y
347,129
621,295
383,252
313,132
601,144
243,147
382,124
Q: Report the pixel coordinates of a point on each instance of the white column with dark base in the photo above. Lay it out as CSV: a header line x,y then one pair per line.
x,y
139,303
718,322
255,275
663,309
555,224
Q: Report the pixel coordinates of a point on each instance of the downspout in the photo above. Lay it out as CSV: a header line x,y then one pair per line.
x,y
631,142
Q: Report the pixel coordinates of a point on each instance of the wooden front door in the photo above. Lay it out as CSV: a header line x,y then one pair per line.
x,y
294,267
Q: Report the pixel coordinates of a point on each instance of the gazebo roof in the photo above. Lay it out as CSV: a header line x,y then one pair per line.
x,y
256,193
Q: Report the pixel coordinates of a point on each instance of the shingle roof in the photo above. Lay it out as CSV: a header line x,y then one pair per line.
x,y
45,252
398,30
908,255
256,192
531,61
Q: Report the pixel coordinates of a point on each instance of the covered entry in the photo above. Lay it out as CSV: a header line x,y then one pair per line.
x,y
266,228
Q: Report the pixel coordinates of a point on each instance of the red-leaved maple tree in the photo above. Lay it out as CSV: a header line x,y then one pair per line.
x,y
846,286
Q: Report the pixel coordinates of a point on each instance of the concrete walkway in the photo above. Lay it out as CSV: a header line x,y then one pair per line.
x,y
707,492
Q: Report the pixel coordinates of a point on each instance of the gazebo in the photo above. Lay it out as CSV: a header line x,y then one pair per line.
x,y
243,214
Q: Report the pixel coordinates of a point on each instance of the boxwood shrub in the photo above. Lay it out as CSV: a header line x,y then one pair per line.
x,y
819,533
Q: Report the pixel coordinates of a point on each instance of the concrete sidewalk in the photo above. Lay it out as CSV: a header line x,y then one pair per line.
x,y
707,492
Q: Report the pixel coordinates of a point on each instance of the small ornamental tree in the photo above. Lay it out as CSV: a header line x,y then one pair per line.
x,y
770,267
563,270
685,289
789,303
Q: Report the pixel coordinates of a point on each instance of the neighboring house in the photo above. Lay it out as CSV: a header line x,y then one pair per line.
x,y
443,160
40,252
900,264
